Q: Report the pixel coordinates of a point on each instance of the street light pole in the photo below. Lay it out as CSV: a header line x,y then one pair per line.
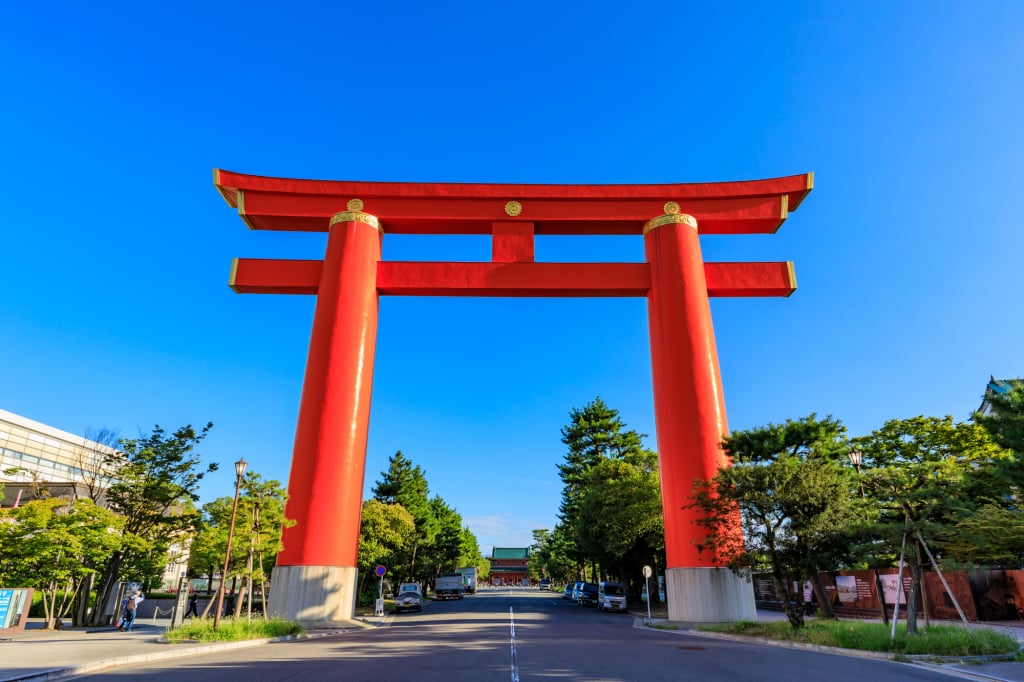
x,y
856,457
239,471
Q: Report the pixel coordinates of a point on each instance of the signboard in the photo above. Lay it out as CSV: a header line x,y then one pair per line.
x,y
380,571
14,603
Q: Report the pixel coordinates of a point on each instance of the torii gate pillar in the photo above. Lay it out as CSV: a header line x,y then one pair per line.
x,y
316,574
689,411
315,579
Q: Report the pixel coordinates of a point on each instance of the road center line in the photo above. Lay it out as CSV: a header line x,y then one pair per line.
x,y
512,626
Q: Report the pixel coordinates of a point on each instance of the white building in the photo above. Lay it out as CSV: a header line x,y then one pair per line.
x,y
37,460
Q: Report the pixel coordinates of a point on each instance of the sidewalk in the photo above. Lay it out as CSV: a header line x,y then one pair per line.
x,y
39,654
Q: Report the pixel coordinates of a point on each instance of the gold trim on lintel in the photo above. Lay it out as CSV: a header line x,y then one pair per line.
x,y
810,180
216,183
792,277
513,208
233,276
354,205
783,212
240,198
356,217
670,219
671,207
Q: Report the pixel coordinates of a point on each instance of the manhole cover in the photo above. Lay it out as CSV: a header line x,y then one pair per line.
x,y
692,648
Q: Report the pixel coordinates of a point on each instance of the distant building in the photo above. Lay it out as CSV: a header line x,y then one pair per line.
x,y
38,461
997,387
509,565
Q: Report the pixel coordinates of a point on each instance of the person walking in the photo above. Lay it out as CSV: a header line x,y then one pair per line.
x,y
131,608
193,605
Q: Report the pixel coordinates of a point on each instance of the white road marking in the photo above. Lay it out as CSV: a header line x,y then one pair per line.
x,y
512,625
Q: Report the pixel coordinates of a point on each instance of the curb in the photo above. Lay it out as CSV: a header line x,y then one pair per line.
x,y
935,663
118,661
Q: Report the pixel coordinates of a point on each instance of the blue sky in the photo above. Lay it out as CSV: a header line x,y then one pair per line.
x,y
116,248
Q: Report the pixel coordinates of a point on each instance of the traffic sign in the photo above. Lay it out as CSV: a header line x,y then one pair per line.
x,y
380,571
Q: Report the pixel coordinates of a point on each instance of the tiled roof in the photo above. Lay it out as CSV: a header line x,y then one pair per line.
x,y
510,553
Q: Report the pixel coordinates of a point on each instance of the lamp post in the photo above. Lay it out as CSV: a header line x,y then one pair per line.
x,y
239,471
856,457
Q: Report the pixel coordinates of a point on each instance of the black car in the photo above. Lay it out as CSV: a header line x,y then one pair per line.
x,y
587,594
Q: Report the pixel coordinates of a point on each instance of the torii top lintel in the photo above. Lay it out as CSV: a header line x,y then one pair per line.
x,y
744,207
513,215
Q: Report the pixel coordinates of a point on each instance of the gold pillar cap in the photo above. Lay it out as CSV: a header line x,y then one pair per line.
x,y
670,219
355,217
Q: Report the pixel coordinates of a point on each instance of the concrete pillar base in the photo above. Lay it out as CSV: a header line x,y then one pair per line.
x,y
708,595
316,596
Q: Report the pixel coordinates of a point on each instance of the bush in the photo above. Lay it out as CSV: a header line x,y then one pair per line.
x,y
231,630
937,640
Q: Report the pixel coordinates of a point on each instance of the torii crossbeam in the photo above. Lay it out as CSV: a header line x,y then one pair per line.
x,y
315,577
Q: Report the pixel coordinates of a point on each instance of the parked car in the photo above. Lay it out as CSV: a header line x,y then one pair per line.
x,y
587,594
409,598
576,586
567,592
611,597
545,584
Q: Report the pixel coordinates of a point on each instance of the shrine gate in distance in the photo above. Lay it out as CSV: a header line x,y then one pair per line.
x,y
315,578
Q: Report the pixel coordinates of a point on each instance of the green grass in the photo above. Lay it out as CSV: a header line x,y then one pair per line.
x,y
938,640
231,630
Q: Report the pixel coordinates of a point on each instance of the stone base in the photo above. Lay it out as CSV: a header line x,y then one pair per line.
x,y
316,596
708,595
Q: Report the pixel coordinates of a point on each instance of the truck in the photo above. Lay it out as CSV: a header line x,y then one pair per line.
x,y
448,586
468,578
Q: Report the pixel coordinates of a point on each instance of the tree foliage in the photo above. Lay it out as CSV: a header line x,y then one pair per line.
x,y
925,476
158,477
52,545
1006,420
794,500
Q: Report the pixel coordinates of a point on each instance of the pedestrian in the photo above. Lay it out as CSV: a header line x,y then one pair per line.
x,y
131,605
193,605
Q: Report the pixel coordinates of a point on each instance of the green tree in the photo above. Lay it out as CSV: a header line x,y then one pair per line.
x,y
993,535
405,483
620,516
52,544
386,531
795,504
443,552
158,477
927,474
594,433
469,551
255,544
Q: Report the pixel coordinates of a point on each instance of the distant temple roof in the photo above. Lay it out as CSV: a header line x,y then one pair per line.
x,y
994,386
510,553
998,385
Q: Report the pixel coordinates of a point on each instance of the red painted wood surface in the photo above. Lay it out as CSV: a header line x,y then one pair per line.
x,y
325,485
398,278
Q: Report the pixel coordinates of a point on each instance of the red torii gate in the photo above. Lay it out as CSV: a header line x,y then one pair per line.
x,y
315,577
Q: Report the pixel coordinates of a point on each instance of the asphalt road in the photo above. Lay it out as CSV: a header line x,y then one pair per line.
x,y
516,636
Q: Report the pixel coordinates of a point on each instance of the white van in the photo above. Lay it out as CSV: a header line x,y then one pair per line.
x,y
611,597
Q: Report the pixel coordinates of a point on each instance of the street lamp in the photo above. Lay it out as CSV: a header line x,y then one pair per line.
x,y
239,471
856,457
